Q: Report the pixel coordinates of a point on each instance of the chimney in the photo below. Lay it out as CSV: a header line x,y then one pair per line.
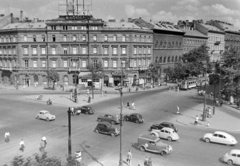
x,y
129,19
11,17
21,16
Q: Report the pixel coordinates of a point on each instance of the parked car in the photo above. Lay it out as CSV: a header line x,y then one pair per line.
x,y
233,157
165,133
43,114
164,124
220,137
106,128
113,119
85,109
152,144
135,117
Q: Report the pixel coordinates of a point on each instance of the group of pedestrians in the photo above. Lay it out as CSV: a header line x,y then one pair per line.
x,y
42,147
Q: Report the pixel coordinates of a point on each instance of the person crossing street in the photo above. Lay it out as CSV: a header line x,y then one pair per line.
x,y
7,137
22,146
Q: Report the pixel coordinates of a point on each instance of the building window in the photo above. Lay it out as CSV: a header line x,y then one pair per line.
x,y
74,50
14,51
25,50
74,38
105,50
83,38
115,50
34,38
26,63
54,64
123,38
94,38
0,51
94,50
114,64
105,63
24,38
43,63
74,63
43,38
168,59
64,38
135,63
43,50
114,38
53,38
95,63
64,50
124,50
84,50
140,50
105,38
84,63
34,50
34,63
123,64
149,50
94,27
53,50
135,50
65,63
144,62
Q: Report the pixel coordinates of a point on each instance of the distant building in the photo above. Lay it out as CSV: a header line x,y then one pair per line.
x,y
167,43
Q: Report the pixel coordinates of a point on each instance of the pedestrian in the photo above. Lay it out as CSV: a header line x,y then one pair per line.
x,y
133,105
42,146
129,157
7,137
146,161
196,120
44,139
22,146
150,163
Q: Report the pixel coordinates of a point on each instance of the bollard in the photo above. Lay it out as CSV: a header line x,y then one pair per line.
x,y
178,112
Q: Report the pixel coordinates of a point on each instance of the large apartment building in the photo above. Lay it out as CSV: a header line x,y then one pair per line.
x,y
68,44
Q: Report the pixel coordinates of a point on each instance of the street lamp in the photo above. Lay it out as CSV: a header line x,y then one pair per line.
x,y
70,109
204,107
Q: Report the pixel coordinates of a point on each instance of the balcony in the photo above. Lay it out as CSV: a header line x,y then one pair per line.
x,y
217,42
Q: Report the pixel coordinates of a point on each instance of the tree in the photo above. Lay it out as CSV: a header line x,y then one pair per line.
x,y
153,72
96,71
53,76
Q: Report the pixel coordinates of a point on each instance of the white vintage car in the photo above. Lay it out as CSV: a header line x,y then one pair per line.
x,y
43,114
233,157
165,133
220,137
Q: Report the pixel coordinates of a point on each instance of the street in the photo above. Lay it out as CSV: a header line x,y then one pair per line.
x,y
18,118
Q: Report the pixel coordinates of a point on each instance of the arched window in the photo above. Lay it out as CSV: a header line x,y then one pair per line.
x,y
175,58
172,58
160,45
173,44
169,59
179,59
164,60
156,44
156,59
160,60
169,44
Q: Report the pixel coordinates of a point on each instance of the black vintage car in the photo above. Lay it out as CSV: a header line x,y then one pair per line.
x,y
107,128
162,125
135,117
85,109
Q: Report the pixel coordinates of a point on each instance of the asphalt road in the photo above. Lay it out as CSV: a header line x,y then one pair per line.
x,y
18,117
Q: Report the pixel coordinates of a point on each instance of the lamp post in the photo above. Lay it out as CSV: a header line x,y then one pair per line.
x,y
204,106
70,109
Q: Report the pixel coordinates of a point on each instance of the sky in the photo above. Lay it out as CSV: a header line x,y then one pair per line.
x,y
156,10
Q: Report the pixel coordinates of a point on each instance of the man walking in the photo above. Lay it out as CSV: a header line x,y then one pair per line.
x,y
129,157
133,105
22,146
196,120
7,137
146,161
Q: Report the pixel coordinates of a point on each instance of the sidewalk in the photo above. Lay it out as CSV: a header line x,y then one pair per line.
x,y
226,118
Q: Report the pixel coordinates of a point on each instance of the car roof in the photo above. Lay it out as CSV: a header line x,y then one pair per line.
x,y
221,132
147,136
44,111
109,115
168,129
105,123
235,151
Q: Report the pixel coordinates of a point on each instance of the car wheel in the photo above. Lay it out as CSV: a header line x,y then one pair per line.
x,y
112,134
137,121
230,162
96,131
163,153
142,149
47,119
99,120
207,140
112,122
169,139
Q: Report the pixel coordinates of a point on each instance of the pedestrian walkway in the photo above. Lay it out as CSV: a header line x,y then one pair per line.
x,y
226,118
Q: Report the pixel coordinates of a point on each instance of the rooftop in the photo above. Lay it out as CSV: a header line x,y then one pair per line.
x,y
193,33
210,27
25,25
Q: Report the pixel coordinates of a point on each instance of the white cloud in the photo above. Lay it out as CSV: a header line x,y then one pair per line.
x,y
131,11
187,2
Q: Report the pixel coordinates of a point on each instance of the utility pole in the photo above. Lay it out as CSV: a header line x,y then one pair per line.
x,y
204,106
69,132
47,56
